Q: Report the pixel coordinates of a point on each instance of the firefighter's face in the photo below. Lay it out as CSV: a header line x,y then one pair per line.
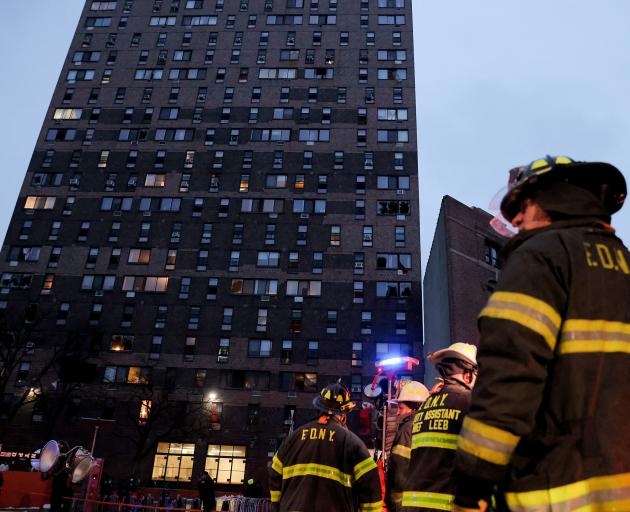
x,y
531,216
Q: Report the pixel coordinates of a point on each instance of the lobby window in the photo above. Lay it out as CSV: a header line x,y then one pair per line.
x,y
173,462
226,464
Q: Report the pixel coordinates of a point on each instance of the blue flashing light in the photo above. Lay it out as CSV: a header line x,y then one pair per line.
x,y
392,361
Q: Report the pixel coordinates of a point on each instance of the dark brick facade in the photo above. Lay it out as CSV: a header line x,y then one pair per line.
x,y
462,270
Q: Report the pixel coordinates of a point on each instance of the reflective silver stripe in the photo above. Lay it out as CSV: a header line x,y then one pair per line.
x,y
492,444
594,494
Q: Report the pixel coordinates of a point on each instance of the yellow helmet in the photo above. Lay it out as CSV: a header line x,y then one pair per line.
x,y
412,391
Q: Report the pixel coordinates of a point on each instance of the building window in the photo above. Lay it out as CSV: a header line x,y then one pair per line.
x,y
357,353
261,320
287,351
228,316
368,232
298,381
357,292
491,256
174,462
366,322
259,348
226,464
335,235
189,348
312,354
156,346
223,354
331,321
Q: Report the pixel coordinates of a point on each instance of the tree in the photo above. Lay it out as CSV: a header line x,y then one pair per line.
x,y
29,363
149,417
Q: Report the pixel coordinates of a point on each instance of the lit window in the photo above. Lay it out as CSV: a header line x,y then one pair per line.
x,y
226,464
174,462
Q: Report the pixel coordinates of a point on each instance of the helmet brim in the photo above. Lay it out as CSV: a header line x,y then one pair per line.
x,y
330,407
588,175
445,353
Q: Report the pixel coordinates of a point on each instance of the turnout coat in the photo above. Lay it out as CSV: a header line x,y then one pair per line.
x,y
323,466
548,420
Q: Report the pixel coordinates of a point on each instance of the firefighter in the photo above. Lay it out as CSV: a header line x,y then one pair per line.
x,y
548,420
434,431
411,396
323,466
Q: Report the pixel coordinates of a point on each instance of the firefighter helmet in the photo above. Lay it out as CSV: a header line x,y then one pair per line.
x,y
412,391
334,399
604,180
461,351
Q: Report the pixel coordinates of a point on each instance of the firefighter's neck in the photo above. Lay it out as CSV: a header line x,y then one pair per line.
x,y
325,418
466,379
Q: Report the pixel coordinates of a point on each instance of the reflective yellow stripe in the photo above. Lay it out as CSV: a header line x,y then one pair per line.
x,y
276,465
318,470
528,311
486,442
402,451
375,506
598,493
434,440
594,336
275,496
432,500
363,467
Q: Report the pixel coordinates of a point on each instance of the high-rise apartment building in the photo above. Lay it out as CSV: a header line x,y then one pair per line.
x,y
219,218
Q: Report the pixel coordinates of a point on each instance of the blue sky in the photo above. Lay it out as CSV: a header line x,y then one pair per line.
x,y
499,83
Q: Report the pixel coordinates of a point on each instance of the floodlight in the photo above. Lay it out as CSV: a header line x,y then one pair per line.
x,y
77,462
49,456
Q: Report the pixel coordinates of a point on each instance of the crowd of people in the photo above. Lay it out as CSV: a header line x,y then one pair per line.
x,y
532,422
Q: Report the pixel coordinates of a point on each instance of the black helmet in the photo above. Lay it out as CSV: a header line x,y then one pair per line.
x,y
603,180
334,399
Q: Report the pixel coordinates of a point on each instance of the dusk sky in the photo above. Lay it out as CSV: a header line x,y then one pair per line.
x,y
499,83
